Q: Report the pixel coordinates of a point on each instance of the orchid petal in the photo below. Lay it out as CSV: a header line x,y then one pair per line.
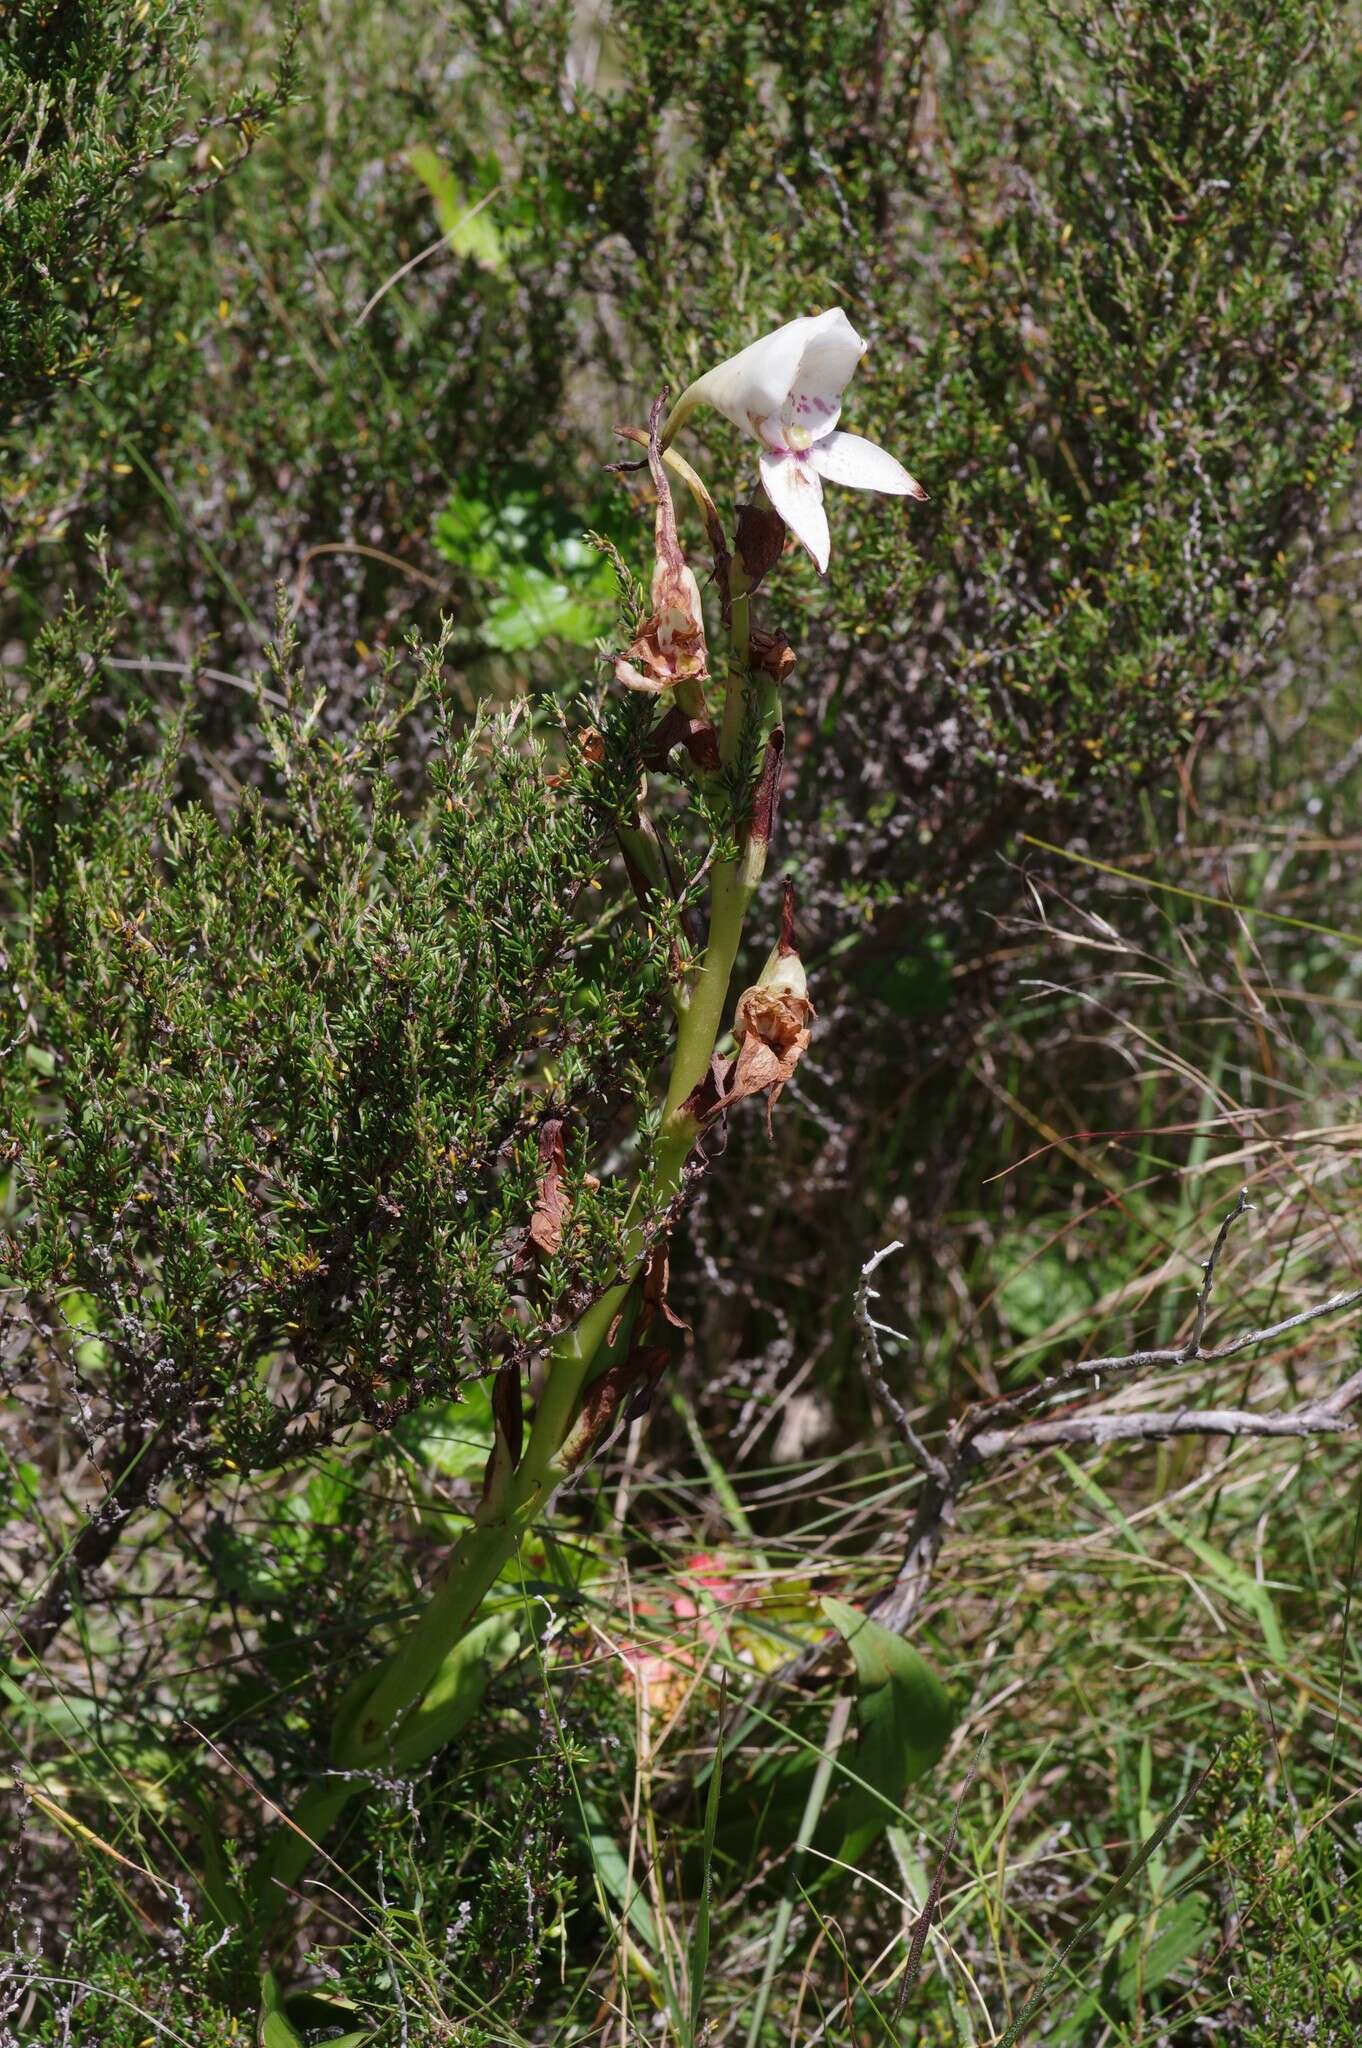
x,y
851,459
751,385
796,490
832,349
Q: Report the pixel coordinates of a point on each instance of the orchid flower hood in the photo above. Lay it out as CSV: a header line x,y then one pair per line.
x,y
786,389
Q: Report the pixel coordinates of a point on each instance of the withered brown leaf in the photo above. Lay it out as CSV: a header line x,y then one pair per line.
x,y
552,1205
670,645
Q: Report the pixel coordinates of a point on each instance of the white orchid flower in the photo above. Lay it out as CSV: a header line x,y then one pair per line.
x,y
787,390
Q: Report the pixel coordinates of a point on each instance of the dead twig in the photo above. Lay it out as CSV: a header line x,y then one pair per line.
x,y
997,1429
1193,1345
1328,1417
871,1332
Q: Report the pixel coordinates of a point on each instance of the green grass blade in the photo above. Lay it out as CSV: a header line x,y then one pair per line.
x,y
1040,1997
813,1809
699,1951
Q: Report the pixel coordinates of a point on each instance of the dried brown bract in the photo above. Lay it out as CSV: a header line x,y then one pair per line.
x,y
770,654
552,1204
678,728
632,1378
760,540
766,797
670,646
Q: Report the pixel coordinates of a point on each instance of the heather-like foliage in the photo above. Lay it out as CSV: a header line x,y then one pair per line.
x,y
1115,314
95,157
276,1077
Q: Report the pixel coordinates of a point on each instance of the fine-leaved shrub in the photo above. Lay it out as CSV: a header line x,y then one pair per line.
x,y
276,1078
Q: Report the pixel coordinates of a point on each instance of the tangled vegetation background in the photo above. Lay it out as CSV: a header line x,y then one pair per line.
x,y
314,333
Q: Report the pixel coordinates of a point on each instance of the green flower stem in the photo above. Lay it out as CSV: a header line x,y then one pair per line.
x,y
485,1547
730,892
370,1724
738,696
732,887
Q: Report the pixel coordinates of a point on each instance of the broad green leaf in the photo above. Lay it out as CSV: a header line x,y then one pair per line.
x,y
451,1438
512,532
274,2029
466,220
613,1873
318,2016
1182,1933
535,608
456,1692
315,1814
463,527
275,2032
904,1719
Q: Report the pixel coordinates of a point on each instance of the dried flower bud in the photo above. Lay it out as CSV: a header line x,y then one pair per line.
x,y
771,654
760,541
773,1023
772,1027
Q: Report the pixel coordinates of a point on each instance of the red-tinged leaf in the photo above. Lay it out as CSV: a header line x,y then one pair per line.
x,y
633,1377
767,796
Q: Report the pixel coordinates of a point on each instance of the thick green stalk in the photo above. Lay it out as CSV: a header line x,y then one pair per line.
x,y
483,1550
738,695
370,1726
487,1545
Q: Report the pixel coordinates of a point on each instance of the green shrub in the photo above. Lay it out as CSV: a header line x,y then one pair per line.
x,y
1114,326
277,1076
95,158
1288,1901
